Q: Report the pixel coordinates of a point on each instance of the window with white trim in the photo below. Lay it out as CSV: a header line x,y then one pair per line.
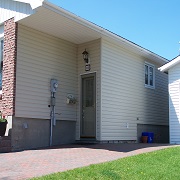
x,y
1,60
149,75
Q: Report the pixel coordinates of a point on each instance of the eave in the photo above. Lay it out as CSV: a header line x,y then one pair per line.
x,y
170,64
58,22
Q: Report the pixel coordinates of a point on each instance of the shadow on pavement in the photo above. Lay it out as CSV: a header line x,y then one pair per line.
x,y
123,147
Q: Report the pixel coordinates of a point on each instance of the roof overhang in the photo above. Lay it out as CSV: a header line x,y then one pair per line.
x,y
58,22
169,65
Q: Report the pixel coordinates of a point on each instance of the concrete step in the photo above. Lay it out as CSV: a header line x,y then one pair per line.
x,y
87,141
5,144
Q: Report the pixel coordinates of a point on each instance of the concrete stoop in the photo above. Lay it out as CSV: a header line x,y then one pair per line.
x,y
87,141
5,144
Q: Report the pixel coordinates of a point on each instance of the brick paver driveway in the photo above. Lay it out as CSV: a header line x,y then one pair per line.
x,y
32,163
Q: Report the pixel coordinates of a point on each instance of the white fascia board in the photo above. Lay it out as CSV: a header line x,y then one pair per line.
x,y
169,65
100,30
34,3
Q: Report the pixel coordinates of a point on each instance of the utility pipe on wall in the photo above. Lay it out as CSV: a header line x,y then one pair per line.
x,y
54,86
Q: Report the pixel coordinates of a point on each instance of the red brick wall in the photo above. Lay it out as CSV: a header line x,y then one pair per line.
x,y
9,68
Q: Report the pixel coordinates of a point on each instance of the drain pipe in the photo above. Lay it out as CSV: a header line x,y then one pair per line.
x,y
54,86
51,129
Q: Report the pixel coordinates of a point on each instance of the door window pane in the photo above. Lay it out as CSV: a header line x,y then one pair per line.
x,y
88,116
89,93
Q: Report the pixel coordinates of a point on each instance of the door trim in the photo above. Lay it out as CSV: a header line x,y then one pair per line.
x,y
85,75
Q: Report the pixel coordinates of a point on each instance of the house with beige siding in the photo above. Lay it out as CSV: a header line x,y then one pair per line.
x,y
173,70
54,93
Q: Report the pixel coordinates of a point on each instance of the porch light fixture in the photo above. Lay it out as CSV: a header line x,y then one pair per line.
x,y
85,56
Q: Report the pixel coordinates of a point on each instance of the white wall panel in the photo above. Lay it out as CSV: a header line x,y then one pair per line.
x,y
40,58
9,9
174,104
124,96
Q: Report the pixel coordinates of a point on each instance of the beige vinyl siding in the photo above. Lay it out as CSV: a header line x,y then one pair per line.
x,y
9,9
174,104
40,58
125,99
93,49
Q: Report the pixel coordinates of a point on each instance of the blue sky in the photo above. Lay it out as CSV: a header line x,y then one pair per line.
x,y
152,24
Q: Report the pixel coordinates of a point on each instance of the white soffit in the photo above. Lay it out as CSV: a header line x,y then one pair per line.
x,y
169,65
13,9
58,22
60,26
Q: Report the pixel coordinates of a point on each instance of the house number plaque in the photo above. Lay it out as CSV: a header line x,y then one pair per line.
x,y
87,67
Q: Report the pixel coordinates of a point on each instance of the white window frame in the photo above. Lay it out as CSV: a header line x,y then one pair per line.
x,y
153,67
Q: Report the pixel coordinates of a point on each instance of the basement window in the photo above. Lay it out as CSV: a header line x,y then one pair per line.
x,y
149,75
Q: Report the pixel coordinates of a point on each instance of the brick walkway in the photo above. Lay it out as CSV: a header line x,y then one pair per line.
x,y
32,163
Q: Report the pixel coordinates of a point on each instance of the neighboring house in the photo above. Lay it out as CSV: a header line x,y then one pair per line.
x,y
112,97
173,70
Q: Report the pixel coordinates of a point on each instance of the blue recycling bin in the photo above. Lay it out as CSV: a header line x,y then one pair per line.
x,y
150,136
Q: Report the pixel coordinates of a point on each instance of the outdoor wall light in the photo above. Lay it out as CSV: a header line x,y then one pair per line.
x,y
85,56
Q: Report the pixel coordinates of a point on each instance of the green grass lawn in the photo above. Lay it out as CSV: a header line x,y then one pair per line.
x,y
163,164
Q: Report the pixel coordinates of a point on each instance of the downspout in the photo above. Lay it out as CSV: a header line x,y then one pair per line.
x,y
51,119
51,130
54,86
